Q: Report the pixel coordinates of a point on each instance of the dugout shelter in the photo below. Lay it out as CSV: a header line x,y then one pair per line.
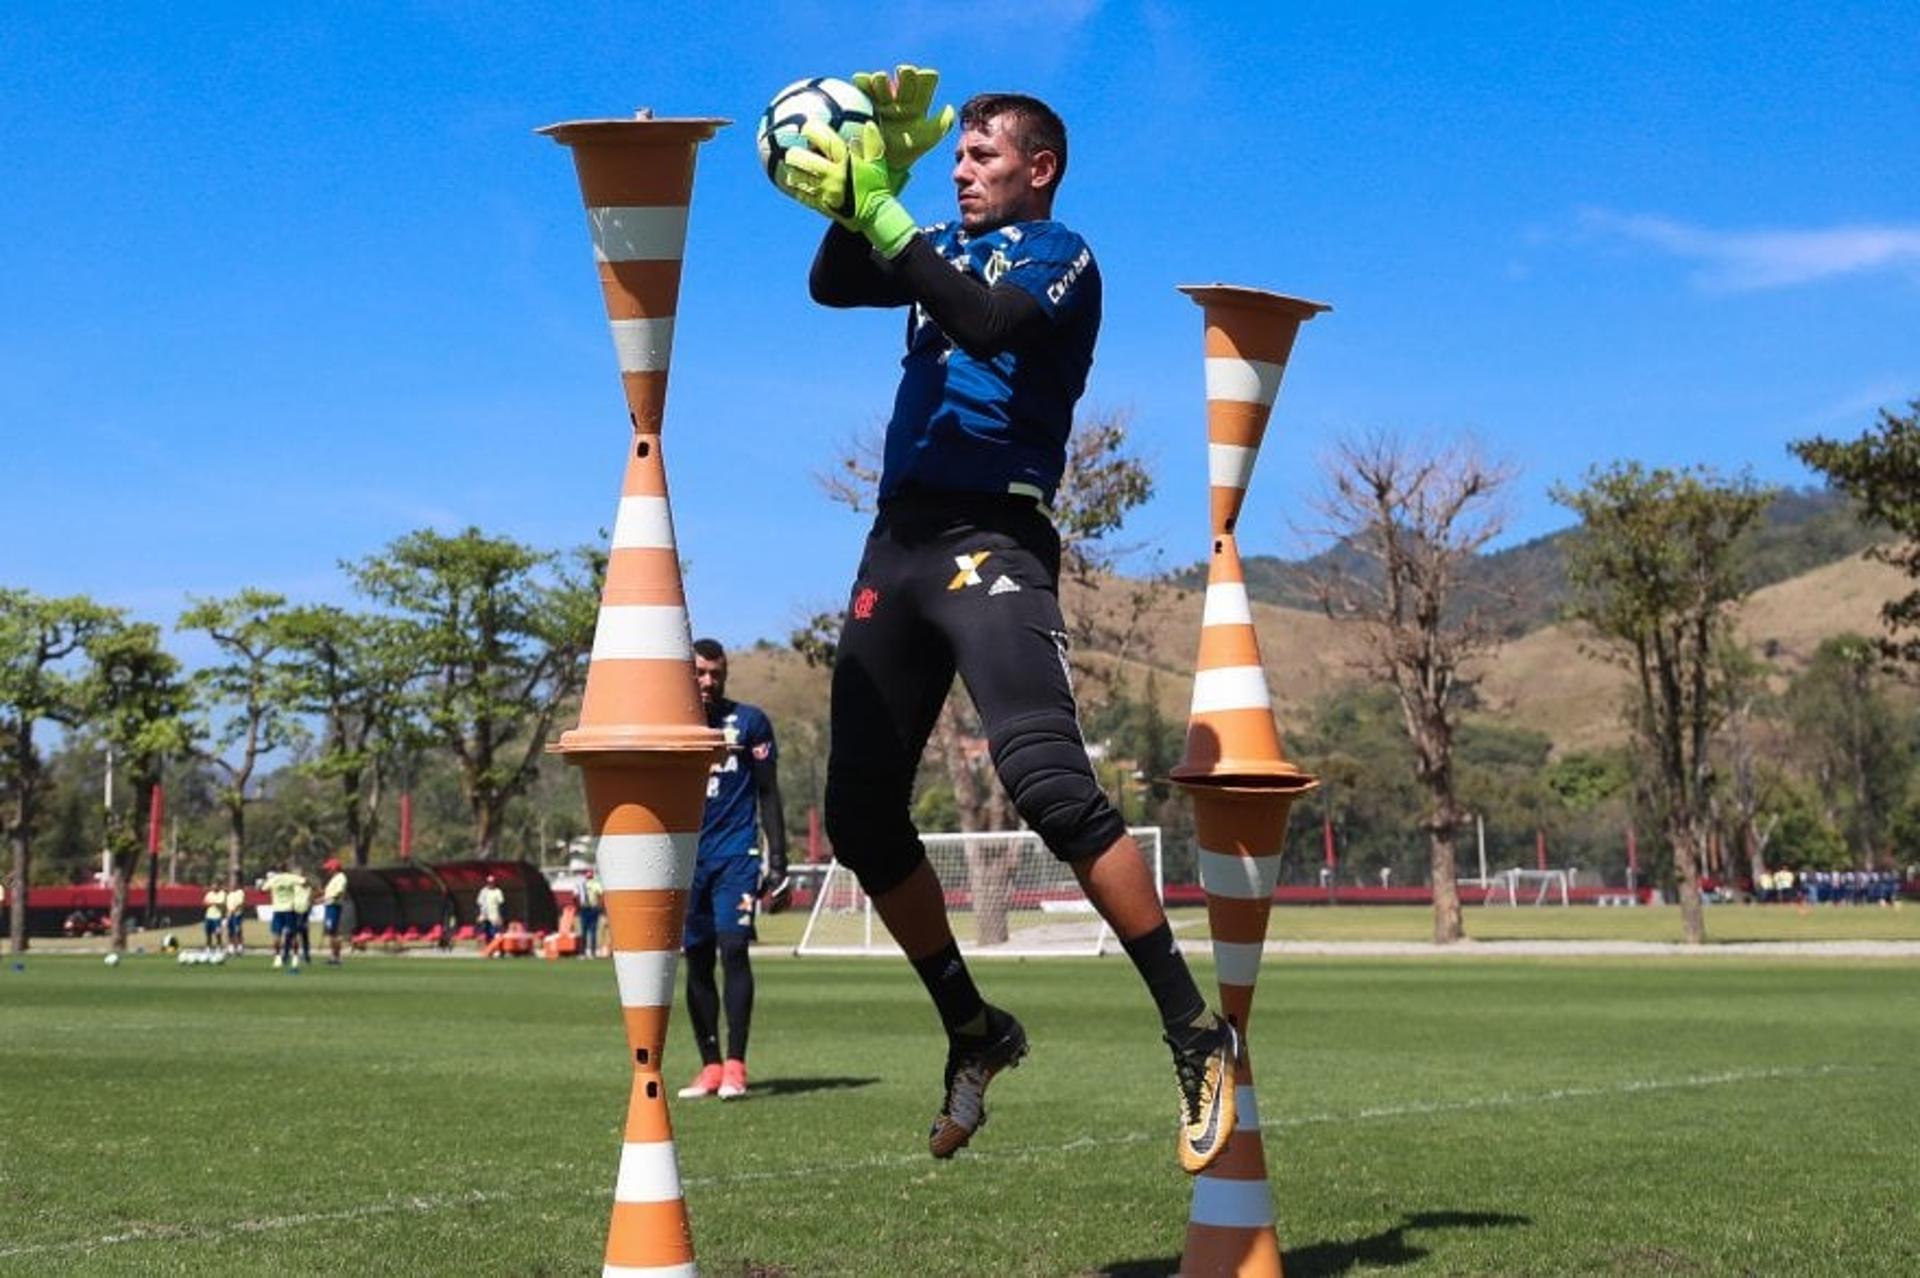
x,y
393,898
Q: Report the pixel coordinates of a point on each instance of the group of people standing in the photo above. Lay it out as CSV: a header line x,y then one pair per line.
x,y
1829,887
290,894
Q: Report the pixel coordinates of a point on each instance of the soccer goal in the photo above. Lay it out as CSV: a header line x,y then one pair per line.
x,y
1006,894
1533,887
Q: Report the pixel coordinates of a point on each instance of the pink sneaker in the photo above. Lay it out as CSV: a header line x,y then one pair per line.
x,y
733,1080
704,1084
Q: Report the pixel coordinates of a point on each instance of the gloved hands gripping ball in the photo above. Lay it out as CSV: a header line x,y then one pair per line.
x,y
852,184
901,106
834,105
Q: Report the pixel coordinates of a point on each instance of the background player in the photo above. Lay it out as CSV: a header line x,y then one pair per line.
x,y
729,877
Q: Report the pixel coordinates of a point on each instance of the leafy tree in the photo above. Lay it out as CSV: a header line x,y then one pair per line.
x,y
1416,519
1656,576
503,632
1882,470
352,671
1804,837
1582,781
245,699
1858,755
38,684
136,700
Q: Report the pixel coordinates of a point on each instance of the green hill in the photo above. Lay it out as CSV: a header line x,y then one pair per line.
x,y
1803,529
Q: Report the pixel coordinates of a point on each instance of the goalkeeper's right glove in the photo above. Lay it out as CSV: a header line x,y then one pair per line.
x,y
851,184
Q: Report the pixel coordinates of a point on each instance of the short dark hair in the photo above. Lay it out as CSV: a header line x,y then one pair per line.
x,y
1035,125
710,649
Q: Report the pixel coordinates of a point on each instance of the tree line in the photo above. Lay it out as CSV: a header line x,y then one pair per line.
x,y
445,682
466,648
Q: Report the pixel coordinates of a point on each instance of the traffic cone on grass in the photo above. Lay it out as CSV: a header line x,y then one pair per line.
x,y
1241,783
643,745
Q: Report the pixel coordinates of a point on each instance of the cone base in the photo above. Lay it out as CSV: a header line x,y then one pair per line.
x,y
1230,1253
639,737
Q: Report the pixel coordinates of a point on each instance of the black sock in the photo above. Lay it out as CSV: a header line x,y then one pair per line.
x,y
1164,969
703,1003
739,995
945,975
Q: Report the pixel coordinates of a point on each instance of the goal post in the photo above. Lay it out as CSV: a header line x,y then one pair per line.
x,y
1006,894
1531,887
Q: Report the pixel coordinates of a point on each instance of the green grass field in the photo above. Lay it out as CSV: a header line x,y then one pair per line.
x,y
418,1116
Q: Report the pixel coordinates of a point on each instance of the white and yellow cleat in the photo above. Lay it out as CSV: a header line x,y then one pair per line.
x,y
1204,1073
972,1062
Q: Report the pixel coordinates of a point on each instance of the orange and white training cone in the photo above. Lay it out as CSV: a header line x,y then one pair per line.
x,y
643,744
1241,783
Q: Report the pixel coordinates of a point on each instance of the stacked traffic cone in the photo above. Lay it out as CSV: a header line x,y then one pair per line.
x,y
1241,782
643,744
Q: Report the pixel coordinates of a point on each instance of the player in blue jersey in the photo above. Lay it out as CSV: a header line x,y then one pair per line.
x,y
730,880
960,572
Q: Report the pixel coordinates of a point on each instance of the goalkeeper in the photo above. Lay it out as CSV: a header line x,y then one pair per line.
x,y
960,571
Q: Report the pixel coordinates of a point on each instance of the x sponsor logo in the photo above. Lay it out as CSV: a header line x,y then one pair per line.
x,y
969,566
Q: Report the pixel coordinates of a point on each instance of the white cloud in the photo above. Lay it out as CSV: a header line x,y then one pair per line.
x,y
1739,261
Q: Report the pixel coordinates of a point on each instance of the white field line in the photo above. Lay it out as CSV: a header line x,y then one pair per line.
x,y
427,1204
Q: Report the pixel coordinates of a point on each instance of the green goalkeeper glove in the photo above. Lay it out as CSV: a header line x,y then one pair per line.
x,y
851,184
901,107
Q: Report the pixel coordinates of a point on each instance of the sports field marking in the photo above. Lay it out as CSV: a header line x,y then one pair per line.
x,y
427,1204
1415,1109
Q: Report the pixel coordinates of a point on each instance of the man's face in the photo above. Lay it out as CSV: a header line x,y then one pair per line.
x,y
996,183
711,676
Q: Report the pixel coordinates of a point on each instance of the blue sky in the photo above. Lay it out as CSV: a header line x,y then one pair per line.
x,y
282,283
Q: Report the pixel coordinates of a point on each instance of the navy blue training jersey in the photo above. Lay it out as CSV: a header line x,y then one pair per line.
x,y
1000,424
730,825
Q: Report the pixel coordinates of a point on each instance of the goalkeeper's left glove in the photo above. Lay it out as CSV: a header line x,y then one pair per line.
x,y
776,887
851,184
901,107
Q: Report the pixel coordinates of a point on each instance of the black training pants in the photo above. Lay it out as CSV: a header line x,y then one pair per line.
x,y
966,583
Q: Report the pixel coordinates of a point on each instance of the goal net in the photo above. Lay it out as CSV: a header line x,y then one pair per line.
x,y
1527,887
1005,893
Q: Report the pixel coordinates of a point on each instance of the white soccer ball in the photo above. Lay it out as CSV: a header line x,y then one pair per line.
x,y
113,959
217,958
834,103
185,958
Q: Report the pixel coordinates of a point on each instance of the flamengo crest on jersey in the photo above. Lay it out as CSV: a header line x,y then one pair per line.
x,y
730,825
980,425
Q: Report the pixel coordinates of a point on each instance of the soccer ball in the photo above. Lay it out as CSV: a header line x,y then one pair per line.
x,y
834,103
113,960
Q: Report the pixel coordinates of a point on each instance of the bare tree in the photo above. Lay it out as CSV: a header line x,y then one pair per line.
x,y
1412,519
